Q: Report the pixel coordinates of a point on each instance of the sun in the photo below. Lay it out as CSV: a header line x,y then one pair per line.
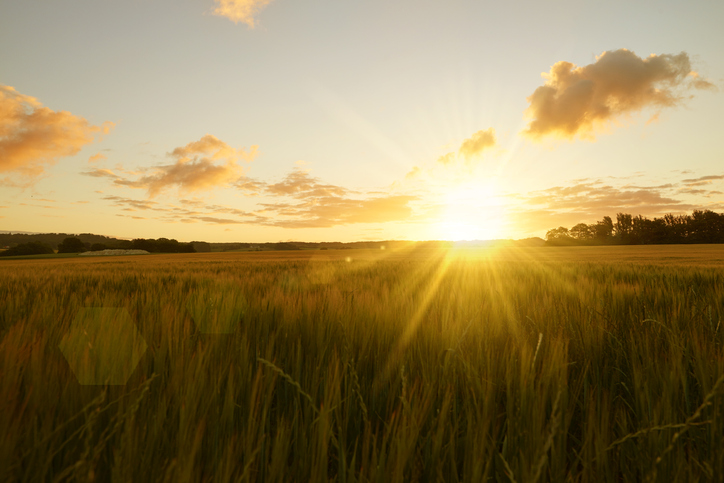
x,y
472,211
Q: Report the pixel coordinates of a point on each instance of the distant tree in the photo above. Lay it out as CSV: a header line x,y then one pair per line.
x,y
162,245
603,231
623,227
700,227
676,228
71,245
706,227
200,246
559,236
97,247
30,248
581,232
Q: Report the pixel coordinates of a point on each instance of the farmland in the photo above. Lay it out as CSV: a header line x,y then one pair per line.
x,y
413,364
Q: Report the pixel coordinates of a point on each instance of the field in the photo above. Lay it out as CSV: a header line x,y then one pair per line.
x,y
528,365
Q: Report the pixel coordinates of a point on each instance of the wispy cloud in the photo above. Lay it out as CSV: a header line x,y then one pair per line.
x,y
97,157
470,149
244,11
333,211
580,101
702,181
297,201
200,165
590,200
301,185
33,136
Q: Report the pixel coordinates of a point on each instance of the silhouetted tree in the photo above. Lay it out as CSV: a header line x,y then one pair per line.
x,y
581,232
622,228
30,248
559,236
603,232
701,227
71,245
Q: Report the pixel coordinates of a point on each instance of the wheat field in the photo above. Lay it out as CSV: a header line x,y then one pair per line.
x,y
415,364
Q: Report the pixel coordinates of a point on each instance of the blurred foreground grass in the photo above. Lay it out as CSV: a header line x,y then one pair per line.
x,y
546,364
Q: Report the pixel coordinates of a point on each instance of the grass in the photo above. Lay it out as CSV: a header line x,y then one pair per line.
x,y
538,364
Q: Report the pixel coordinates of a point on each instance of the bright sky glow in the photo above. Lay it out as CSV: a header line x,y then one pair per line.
x,y
269,120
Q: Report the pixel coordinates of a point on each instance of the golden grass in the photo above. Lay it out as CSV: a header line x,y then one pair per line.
x,y
531,364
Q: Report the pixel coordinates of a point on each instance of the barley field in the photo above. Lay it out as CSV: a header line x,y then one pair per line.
x,y
416,364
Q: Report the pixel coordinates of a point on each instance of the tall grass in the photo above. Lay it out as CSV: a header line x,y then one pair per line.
x,y
415,366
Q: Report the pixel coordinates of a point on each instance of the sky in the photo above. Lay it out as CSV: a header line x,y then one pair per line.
x,y
320,120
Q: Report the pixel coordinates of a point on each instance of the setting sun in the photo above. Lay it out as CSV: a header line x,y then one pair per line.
x,y
473,211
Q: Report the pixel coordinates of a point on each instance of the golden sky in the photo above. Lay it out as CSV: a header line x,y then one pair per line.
x,y
271,120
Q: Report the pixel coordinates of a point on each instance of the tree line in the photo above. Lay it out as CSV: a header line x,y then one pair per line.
x,y
76,245
700,227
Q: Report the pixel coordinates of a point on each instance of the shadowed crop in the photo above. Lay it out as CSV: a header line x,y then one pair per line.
x,y
103,346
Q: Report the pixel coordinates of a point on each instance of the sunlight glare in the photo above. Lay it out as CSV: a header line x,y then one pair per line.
x,y
473,211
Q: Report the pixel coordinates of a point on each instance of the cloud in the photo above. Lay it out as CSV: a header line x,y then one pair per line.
x,y
33,136
413,173
470,150
218,221
704,180
591,200
298,201
101,173
299,184
320,205
447,159
130,204
477,143
331,211
580,101
97,157
200,165
243,11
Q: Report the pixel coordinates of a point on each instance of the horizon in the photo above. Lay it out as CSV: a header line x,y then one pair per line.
x,y
291,240
259,120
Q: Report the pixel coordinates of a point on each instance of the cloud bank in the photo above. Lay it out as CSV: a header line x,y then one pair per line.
x,y
298,201
33,136
243,11
580,101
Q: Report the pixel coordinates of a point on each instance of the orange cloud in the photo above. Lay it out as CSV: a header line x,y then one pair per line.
x,y
332,211
33,136
470,148
325,205
201,165
298,183
477,143
703,180
578,101
97,157
243,11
